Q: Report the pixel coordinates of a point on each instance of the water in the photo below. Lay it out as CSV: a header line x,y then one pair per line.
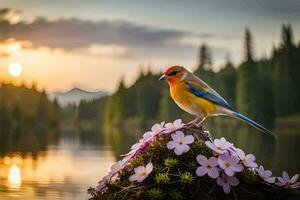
x,y
62,171
65,167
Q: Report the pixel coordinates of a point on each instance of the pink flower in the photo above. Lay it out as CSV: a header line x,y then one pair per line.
x,y
226,182
171,127
247,160
115,169
141,173
156,129
229,164
102,185
137,145
180,142
209,166
219,146
148,136
288,182
266,175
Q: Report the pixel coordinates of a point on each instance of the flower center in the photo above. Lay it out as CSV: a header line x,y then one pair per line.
x,y
227,164
219,148
142,174
209,166
180,141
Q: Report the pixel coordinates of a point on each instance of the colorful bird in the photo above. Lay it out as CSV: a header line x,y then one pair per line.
x,y
194,96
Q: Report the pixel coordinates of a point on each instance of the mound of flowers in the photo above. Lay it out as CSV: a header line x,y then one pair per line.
x,y
178,161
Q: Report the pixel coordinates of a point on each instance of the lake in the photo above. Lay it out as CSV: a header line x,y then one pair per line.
x,y
65,168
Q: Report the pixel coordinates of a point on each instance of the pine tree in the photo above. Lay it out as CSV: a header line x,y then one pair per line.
x,y
246,81
285,92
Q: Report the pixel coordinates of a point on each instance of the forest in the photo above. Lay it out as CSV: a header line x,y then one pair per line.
x,y
263,89
28,120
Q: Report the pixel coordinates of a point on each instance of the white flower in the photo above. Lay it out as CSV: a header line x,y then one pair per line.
x,y
102,185
230,164
266,175
171,127
180,142
137,145
226,182
115,169
156,129
148,136
208,166
247,160
288,182
219,146
141,173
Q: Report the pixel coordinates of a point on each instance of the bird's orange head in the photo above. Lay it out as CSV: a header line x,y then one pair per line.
x,y
174,74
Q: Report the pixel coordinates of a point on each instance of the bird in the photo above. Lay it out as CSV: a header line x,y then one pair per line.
x,y
197,98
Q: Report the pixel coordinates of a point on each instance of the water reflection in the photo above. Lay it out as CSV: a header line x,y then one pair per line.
x,y
58,171
14,177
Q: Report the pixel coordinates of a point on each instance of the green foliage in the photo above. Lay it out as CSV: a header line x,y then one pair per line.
x,y
27,118
155,193
170,162
286,74
162,178
186,177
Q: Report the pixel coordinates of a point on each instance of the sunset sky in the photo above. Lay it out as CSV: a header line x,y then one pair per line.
x,y
92,44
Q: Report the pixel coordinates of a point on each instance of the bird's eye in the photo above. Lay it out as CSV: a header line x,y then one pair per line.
x,y
173,73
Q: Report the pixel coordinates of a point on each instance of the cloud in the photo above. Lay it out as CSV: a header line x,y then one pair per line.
x,y
76,33
10,15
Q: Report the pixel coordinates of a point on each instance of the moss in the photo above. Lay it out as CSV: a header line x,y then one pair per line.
x,y
174,177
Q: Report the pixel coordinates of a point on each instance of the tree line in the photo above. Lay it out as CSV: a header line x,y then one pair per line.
x,y
28,120
262,89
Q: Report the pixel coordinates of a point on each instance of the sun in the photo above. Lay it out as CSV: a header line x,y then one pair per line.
x,y
15,69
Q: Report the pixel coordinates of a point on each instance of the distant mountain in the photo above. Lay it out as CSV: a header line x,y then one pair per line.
x,y
75,95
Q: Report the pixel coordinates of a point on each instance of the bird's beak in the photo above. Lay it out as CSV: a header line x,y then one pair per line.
x,y
163,77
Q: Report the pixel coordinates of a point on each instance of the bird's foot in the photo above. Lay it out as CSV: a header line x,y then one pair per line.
x,y
191,125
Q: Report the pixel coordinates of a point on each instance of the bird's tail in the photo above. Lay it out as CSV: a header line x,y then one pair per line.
x,y
249,121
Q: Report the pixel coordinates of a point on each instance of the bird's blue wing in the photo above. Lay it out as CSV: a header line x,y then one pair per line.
x,y
208,96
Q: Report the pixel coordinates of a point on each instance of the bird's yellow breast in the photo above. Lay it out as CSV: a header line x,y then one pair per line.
x,y
189,102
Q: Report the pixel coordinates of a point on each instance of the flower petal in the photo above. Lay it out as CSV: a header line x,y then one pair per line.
x,y
213,161
186,148
240,153
189,139
202,160
238,167
201,171
220,181
229,172
280,179
133,177
251,164
139,169
270,180
177,136
210,145
141,178
250,158
266,173
295,186
285,176
233,181
171,145
294,178
226,188
213,172
179,150
149,168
